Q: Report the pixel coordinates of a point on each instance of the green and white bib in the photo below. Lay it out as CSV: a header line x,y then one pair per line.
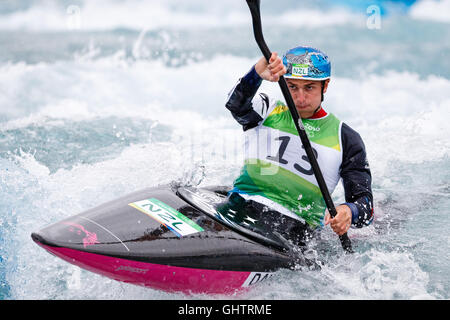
x,y
276,169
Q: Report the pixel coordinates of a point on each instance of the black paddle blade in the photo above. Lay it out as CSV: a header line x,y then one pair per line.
x,y
346,243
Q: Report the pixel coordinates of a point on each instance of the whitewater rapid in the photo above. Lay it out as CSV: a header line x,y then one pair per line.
x,y
124,100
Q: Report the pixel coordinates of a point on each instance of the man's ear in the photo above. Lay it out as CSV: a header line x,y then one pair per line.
x,y
325,85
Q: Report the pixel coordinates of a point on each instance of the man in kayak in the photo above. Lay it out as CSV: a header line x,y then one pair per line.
x,y
277,178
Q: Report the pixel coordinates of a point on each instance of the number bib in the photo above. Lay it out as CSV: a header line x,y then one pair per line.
x,y
277,168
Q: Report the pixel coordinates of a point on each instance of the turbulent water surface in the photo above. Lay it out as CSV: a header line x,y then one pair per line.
x,y
102,98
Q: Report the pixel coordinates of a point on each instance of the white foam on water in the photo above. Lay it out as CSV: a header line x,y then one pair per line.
x,y
401,116
152,15
433,10
112,86
373,275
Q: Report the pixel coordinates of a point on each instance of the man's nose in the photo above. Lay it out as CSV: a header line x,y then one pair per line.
x,y
299,96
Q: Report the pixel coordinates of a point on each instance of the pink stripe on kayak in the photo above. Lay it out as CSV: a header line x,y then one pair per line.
x,y
161,277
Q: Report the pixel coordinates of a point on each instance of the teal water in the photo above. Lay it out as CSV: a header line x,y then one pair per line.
x,y
102,98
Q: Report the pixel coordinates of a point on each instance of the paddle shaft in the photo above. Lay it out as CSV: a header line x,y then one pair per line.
x,y
254,6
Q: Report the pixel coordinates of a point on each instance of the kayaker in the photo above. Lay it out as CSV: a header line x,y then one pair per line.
x,y
277,177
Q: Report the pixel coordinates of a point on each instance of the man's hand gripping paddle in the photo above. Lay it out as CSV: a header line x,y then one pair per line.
x,y
254,6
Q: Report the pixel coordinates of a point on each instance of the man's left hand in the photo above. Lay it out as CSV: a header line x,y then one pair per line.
x,y
342,221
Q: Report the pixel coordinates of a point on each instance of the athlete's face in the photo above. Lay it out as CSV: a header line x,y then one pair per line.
x,y
307,95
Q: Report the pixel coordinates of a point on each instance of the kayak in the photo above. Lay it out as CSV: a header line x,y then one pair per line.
x,y
171,238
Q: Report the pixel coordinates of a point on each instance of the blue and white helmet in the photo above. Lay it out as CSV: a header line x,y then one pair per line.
x,y
306,63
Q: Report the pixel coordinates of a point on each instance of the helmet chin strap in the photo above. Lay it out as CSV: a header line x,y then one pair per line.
x,y
323,88
320,105
317,109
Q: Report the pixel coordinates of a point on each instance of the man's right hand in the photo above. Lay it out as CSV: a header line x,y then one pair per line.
x,y
271,71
